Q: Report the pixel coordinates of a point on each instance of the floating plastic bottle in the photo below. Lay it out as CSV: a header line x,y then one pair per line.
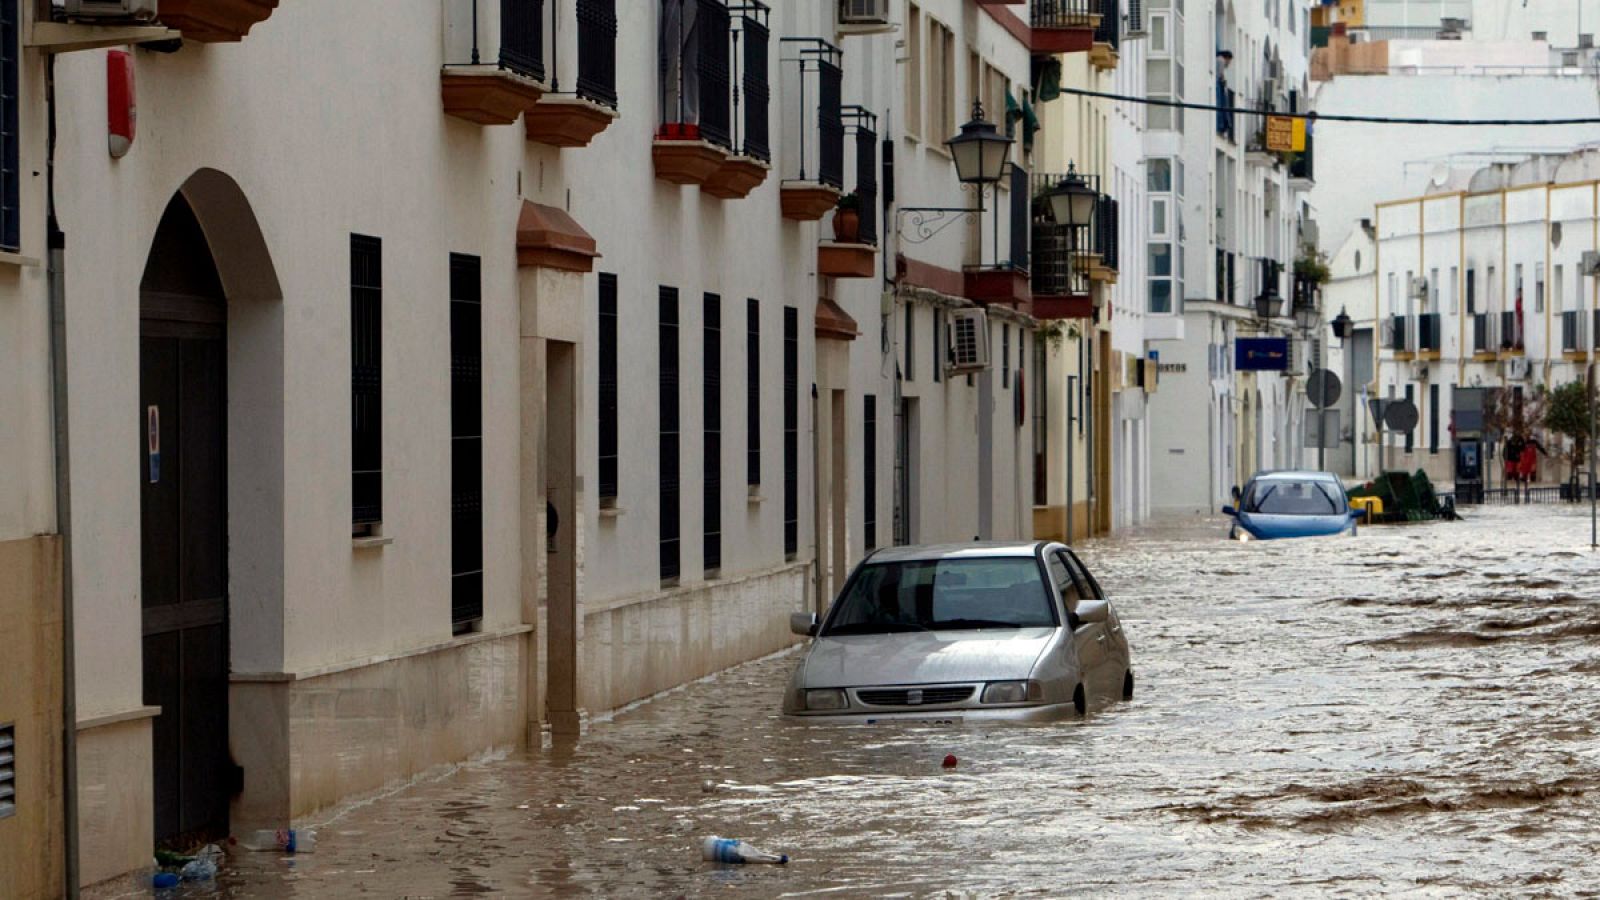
x,y
287,840
728,850
204,866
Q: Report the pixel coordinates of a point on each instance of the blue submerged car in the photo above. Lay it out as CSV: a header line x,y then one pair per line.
x,y
1291,505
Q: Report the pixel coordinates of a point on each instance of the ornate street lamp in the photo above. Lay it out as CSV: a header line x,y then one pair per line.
x,y
981,155
1341,325
1307,317
1072,200
980,152
1269,302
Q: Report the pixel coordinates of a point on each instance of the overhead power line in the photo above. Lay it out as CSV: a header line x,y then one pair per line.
x,y
1324,117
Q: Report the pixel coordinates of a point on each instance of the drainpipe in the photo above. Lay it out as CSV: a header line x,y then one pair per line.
x,y
56,246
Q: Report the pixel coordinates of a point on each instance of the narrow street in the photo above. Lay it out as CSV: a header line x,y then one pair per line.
x,y
1409,710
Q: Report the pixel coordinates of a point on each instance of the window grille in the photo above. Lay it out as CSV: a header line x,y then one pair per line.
x,y
752,400
669,451
791,431
366,382
466,441
711,483
608,388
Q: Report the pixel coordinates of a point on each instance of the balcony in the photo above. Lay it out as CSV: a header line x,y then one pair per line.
x,y
853,253
1227,98
1226,276
1061,286
1574,343
1302,174
1397,337
1063,26
1510,332
1105,51
693,139
749,160
1430,336
215,21
1483,335
573,119
815,129
494,69
1007,281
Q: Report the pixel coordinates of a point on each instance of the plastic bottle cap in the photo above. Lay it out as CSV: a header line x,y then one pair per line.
x,y
950,761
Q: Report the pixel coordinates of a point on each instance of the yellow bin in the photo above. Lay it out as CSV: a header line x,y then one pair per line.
x,y
1373,505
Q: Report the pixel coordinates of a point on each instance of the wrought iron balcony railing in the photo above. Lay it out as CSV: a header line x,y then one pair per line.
x,y
1106,235
864,124
1109,30
814,127
1058,264
597,51
1062,13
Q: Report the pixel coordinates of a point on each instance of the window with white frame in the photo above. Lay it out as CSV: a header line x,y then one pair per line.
x,y
1557,301
913,72
1433,291
1455,298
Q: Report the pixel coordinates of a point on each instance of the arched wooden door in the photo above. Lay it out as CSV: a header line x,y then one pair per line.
x,y
184,534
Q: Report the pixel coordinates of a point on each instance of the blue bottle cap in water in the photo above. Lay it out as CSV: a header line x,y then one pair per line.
x,y
164,880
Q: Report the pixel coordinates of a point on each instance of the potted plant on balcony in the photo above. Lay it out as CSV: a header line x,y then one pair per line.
x,y
847,219
1312,267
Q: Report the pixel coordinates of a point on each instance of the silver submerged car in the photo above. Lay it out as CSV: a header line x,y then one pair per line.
x,y
1016,631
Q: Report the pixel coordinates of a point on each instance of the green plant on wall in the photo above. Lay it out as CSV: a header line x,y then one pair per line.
x,y
1313,266
1055,333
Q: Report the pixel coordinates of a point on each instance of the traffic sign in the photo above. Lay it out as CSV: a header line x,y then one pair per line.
x,y
1323,389
1401,415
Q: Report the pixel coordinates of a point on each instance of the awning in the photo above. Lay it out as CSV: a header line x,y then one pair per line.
x,y
548,236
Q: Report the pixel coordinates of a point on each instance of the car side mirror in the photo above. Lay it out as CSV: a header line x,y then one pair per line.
x,y
803,624
1229,511
1093,611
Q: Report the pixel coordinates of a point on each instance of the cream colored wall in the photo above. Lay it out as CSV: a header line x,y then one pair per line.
x,y
30,701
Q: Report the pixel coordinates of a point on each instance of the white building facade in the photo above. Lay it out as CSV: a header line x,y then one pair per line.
x,y
1226,224
513,374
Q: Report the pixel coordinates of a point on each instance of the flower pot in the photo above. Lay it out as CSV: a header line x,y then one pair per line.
x,y
846,226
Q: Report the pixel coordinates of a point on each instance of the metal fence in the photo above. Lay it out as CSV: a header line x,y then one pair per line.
x,y
1062,13
1516,495
597,51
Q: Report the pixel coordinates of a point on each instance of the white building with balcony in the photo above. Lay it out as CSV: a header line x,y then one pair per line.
x,y
1226,222
442,374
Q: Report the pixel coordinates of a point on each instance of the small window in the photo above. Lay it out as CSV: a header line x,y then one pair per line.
x,y
366,384
607,362
711,434
1160,259
1158,33
910,373
1158,218
668,459
8,770
1005,356
10,130
869,471
1455,290
752,387
1538,287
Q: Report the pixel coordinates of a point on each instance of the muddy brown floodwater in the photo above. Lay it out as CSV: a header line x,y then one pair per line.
x,y
1412,710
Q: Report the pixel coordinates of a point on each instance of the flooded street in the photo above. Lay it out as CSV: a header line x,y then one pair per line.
x,y
1411,710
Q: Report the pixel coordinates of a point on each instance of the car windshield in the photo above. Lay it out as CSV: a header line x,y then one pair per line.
x,y
1286,497
944,595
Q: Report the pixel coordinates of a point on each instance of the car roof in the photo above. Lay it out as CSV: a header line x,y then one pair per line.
x,y
961,550
1294,475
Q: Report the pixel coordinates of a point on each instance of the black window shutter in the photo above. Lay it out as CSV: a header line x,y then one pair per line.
x,y
791,431
608,387
1021,217
752,400
669,458
466,441
711,483
366,380
869,463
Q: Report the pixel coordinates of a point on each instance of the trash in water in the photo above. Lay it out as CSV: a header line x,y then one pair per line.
x,y
162,880
204,865
708,786
950,760
288,840
728,850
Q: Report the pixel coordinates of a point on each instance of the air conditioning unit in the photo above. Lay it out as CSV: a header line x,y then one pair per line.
x,y
1419,287
1133,22
969,341
1589,263
1518,368
110,10
1586,42
864,12
1569,59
